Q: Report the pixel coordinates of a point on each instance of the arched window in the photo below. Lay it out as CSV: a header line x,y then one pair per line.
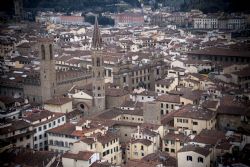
x,y
43,51
51,52
99,88
98,62
82,106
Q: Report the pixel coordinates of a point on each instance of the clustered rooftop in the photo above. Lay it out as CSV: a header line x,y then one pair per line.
x,y
145,92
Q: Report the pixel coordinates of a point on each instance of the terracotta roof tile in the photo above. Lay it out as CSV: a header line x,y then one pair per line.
x,y
66,129
200,150
162,157
194,112
209,137
172,136
58,101
82,155
142,141
169,98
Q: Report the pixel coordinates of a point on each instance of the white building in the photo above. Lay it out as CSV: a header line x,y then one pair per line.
x,y
79,159
144,133
191,155
43,120
59,104
62,137
206,23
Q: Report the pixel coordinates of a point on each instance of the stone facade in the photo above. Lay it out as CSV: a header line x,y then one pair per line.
x,y
98,86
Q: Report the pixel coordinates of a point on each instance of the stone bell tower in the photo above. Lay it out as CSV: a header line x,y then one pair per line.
x,y
18,8
98,86
47,69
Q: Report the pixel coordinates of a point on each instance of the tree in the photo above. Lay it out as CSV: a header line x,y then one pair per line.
x,y
102,20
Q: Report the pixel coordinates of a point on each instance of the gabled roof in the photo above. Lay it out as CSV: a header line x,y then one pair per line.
x,y
81,155
172,136
199,150
194,112
66,129
211,137
169,98
58,101
145,142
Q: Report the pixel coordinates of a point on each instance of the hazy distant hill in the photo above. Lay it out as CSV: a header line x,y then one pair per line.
x,y
70,5
209,5
111,5
217,5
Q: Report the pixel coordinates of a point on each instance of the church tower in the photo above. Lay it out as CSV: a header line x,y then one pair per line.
x,y
97,71
47,69
18,8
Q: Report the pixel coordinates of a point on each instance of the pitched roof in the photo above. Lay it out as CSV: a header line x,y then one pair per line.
x,y
101,164
169,98
66,129
220,52
58,100
162,157
194,112
115,92
200,150
230,106
191,94
114,112
149,132
173,136
26,157
210,104
37,115
106,138
141,163
209,137
13,126
166,82
88,140
81,155
145,142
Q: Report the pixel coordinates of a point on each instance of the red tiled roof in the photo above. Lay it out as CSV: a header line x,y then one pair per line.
x,y
194,112
169,98
220,52
58,101
142,141
82,155
66,129
37,115
209,136
200,150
